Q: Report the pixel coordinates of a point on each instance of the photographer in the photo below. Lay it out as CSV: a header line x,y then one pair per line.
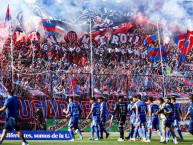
x,y
166,116
39,119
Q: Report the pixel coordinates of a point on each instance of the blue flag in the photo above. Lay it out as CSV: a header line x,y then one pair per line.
x,y
8,14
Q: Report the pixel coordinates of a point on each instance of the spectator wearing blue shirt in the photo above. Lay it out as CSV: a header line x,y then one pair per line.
x,y
74,112
103,116
95,112
190,112
11,108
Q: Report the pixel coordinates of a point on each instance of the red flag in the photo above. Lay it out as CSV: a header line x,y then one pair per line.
x,y
179,40
187,48
188,44
123,28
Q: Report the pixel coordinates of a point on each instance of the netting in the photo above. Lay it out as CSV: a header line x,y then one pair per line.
x,y
60,85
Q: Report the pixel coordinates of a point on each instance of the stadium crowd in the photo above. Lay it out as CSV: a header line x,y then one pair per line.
x,y
62,67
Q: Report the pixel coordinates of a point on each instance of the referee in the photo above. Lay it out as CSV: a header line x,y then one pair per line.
x,y
121,109
11,108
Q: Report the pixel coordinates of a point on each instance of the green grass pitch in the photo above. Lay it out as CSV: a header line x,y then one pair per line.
x,y
112,140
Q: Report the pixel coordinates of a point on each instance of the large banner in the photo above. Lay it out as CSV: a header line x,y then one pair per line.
x,y
84,125
56,118
40,135
54,108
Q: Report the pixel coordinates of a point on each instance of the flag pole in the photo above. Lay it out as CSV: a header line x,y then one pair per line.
x,y
161,58
12,70
91,62
8,17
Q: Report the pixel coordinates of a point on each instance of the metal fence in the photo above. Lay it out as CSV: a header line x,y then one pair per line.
x,y
59,84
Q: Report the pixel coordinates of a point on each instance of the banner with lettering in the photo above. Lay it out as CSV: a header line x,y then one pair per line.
x,y
52,108
84,125
40,135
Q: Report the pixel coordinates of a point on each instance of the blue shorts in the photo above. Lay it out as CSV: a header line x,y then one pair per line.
x,y
73,122
103,121
141,122
11,124
168,122
95,121
153,123
190,129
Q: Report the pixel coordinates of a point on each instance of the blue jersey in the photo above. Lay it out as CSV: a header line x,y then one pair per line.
x,y
142,108
176,110
12,107
95,110
168,107
190,109
129,109
153,108
103,109
74,110
132,110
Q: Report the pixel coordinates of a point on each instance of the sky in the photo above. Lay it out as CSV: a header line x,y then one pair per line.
x,y
172,12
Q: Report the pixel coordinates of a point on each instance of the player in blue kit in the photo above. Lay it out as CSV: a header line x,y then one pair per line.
x,y
166,110
168,132
177,116
11,108
190,112
141,110
73,111
103,116
131,110
95,112
153,122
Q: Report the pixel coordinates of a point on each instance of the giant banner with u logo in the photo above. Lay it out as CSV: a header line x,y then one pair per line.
x,y
54,109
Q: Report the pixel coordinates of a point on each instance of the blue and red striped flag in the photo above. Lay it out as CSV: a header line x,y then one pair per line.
x,y
50,28
149,39
155,54
8,14
179,40
187,47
